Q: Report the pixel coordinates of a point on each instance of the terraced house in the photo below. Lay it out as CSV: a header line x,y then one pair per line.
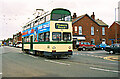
x,y
87,28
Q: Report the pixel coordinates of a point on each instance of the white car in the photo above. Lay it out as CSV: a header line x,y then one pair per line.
x,y
19,45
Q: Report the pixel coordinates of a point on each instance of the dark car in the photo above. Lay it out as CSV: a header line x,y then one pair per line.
x,y
114,48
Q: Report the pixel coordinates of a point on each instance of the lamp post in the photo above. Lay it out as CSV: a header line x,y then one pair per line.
x,y
116,27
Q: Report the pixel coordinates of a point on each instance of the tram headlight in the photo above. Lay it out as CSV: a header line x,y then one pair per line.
x,y
69,47
53,47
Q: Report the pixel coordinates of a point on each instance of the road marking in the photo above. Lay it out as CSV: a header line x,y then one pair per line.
x,y
24,54
57,62
88,55
91,52
92,55
33,56
104,69
0,73
112,58
109,63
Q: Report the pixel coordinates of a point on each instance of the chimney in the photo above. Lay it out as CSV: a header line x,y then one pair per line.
x,y
93,16
74,15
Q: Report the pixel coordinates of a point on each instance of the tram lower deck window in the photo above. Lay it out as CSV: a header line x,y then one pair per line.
x,y
56,36
66,36
41,37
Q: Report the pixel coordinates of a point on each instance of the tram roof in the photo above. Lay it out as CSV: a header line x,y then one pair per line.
x,y
60,11
54,11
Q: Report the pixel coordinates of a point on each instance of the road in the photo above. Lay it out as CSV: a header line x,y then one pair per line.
x,y
1,62
97,63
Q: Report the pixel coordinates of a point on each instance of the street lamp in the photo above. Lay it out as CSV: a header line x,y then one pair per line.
x,y
116,26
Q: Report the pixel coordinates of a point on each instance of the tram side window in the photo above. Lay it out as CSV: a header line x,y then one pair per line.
x,y
66,36
56,36
36,23
47,35
41,37
47,18
42,20
27,39
35,38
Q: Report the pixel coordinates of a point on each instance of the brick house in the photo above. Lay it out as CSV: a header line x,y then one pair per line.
x,y
89,29
17,38
114,30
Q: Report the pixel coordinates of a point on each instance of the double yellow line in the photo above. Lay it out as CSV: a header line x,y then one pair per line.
x,y
112,58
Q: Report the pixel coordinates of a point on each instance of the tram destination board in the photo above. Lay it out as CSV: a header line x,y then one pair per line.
x,y
61,25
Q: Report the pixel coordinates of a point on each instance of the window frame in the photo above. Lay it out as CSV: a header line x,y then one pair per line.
x,y
67,33
46,35
103,30
92,31
80,30
40,37
61,17
56,38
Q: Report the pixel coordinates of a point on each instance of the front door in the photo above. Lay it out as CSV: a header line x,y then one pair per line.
x,y
31,43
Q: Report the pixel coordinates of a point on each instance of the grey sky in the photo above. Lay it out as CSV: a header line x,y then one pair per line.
x,y
15,13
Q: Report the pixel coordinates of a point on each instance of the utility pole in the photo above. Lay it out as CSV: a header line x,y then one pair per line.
x,y
115,27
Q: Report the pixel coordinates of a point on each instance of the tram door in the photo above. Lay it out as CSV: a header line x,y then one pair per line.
x,y
31,44
22,44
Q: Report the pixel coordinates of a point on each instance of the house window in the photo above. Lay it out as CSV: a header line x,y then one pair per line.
x,y
92,30
75,28
93,41
103,41
80,30
103,30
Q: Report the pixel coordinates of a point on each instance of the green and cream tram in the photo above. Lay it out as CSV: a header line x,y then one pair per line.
x,y
49,35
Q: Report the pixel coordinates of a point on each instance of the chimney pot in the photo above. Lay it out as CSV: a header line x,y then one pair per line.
x,y
74,15
93,16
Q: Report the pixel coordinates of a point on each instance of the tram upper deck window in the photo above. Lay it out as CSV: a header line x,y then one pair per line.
x,y
56,36
61,17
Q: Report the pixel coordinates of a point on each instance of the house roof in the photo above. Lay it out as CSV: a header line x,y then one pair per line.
x,y
118,22
98,22
75,19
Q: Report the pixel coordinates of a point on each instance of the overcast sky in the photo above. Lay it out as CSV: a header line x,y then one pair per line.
x,y
15,13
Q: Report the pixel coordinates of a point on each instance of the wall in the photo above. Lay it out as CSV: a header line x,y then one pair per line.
x,y
86,24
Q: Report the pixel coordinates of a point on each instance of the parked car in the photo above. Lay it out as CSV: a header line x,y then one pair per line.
x,y
114,48
101,46
19,45
85,46
10,45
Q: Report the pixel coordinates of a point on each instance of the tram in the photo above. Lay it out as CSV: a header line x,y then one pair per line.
x,y
49,35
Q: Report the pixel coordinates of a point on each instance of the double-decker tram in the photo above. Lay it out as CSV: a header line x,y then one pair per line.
x,y
49,35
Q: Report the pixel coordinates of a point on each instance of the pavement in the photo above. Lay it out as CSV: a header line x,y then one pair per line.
x,y
1,62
